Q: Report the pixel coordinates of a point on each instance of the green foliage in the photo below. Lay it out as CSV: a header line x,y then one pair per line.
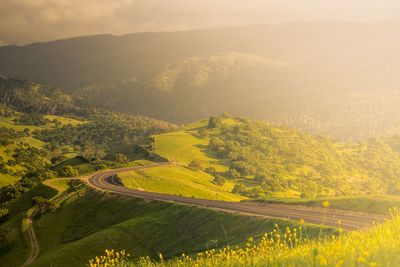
x,y
219,180
31,119
281,159
214,122
68,171
42,205
108,132
210,170
32,98
121,158
3,214
195,165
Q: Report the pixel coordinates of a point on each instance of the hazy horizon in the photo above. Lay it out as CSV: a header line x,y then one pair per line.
x,y
24,22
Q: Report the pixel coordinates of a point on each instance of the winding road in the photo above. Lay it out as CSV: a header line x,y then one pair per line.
x,y
330,217
106,181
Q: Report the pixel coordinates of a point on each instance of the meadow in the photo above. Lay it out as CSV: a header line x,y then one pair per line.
x,y
179,180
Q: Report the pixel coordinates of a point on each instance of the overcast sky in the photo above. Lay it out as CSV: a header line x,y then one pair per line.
x,y
26,21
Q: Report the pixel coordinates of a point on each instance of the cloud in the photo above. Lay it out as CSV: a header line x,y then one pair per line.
x,y
24,21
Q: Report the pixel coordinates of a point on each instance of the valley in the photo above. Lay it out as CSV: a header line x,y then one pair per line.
x,y
259,145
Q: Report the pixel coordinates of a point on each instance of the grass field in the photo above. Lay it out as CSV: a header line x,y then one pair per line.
x,y
17,255
371,204
184,146
378,246
90,221
64,120
6,179
178,180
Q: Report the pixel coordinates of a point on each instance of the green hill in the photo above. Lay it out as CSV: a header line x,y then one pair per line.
x,y
88,221
264,161
44,130
378,246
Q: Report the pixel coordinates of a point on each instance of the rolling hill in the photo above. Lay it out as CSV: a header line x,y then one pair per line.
x,y
264,161
88,221
330,77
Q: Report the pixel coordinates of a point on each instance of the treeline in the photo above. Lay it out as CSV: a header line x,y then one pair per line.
x,y
32,98
265,159
104,133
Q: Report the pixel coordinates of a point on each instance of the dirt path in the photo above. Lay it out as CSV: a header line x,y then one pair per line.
x,y
33,242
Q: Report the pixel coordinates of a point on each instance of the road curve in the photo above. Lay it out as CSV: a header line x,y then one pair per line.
x,y
348,220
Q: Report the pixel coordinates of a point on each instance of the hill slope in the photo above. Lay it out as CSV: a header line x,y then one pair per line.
x,y
88,221
264,161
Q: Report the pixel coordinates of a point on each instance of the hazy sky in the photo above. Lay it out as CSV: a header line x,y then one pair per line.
x,y
26,21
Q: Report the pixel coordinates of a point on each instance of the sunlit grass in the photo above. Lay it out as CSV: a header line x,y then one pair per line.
x,y
185,146
178,180
378,246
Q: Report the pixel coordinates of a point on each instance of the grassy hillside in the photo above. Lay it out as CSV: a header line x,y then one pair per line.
x,y
14,224
178,180
382,204
88,221
264,161
44,132
186,145
378,246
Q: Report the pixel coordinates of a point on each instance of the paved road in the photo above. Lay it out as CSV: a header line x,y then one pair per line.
x,y
329,217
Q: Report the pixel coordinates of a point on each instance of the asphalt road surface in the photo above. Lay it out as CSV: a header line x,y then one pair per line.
x,y
330,217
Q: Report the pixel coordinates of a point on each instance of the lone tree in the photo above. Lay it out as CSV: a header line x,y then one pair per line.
x,y
121,158
196,165
214,122
219,180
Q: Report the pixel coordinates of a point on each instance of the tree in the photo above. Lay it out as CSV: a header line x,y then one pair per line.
x,y
217,145
211,170
219,180
43,205
195,164
233,174
214,122
68,171
92,153
121,158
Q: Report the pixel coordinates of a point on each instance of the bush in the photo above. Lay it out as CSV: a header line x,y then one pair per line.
x,y
196,165
3,215
68,171
214,122
219,180
211,170
121,158
43,205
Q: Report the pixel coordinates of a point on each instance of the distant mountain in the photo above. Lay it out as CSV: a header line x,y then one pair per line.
x,y
336,78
